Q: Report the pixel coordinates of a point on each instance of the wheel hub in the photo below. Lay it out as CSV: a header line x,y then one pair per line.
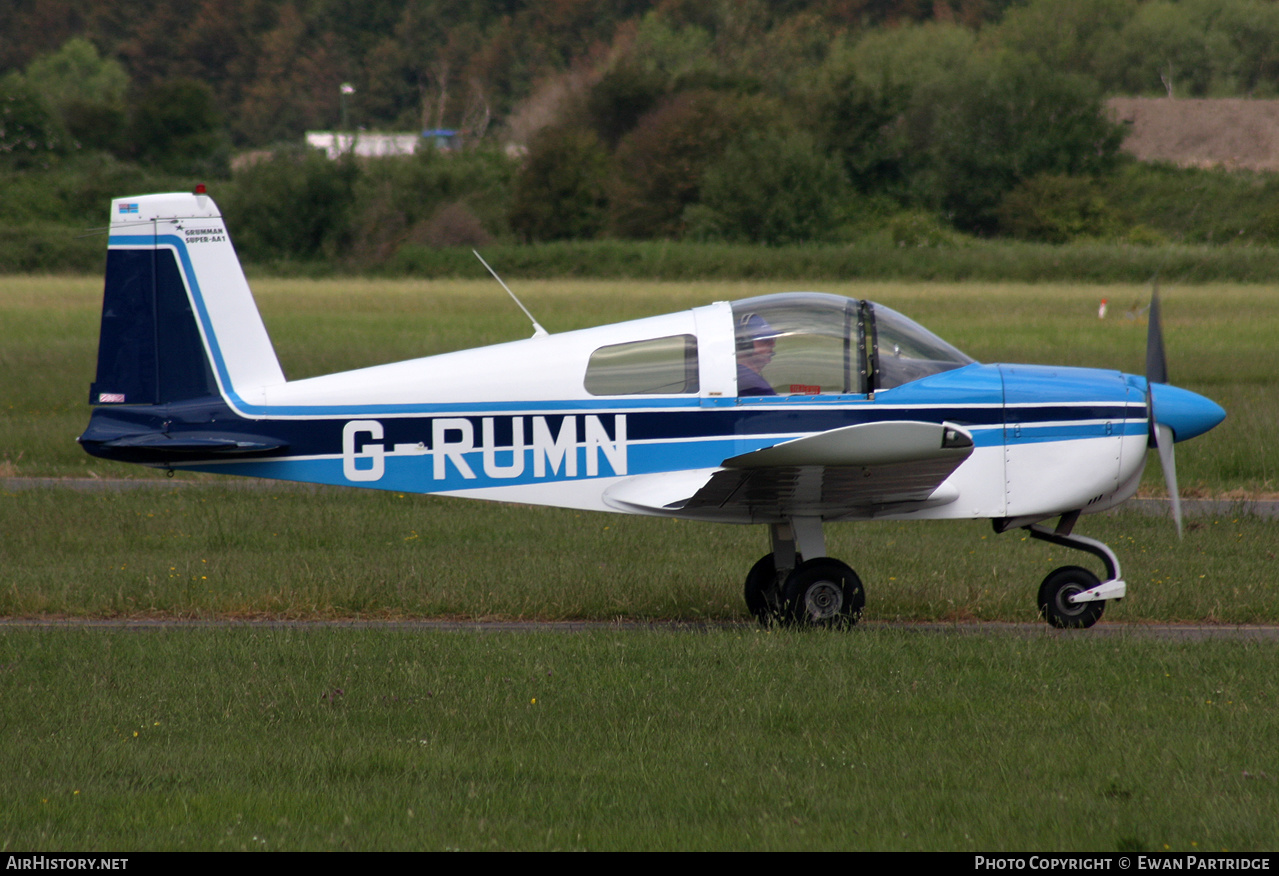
x,y
1065,600
823,600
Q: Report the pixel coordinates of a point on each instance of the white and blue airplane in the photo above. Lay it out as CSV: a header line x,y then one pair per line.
x,y
789,410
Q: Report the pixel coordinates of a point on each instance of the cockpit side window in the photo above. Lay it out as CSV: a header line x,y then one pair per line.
x,y
656,366
798,344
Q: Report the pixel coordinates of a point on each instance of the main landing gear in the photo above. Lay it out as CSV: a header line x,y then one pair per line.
x,y
1072,597
785,588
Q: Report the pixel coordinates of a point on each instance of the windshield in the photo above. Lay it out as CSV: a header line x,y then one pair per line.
x,y
907,351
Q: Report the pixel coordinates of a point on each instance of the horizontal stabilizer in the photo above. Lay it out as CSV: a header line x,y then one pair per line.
x,y
188,445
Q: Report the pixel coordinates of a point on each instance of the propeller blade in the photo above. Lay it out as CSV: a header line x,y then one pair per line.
x,y
1160,434
1156,362
1163,442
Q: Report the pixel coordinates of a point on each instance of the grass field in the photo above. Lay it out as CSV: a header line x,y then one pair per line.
x,y
256,737
213,551
333,739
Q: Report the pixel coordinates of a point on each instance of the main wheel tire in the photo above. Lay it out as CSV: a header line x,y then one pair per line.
x,y
822,592
1054,594
763,595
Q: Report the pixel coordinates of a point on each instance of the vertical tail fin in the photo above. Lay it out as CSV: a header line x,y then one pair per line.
x,y
178,319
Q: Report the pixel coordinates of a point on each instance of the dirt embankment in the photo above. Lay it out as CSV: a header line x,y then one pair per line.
x,y
1234,133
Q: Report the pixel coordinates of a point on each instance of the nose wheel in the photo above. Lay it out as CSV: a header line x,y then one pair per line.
x,y
1056,597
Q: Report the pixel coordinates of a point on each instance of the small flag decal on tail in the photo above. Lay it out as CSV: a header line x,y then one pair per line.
x,y
110,398
128,208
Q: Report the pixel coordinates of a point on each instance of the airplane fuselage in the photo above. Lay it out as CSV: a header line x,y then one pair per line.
x,y
1045,439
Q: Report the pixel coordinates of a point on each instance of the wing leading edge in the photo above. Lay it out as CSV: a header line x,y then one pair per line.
x,y
854,471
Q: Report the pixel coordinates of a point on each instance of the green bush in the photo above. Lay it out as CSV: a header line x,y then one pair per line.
x,y
1197,205
772,188
1144,235
660,164
397,199
1001,122
292,205
951,258
560,192
177,126
86,91
30,133
626,91
76,190
916,228
859,101
48,247
300,205
1054,208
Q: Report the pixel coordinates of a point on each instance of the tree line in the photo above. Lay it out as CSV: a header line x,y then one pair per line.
x,y
734,120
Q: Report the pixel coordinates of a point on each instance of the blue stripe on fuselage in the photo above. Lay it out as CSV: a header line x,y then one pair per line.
x,y
405,450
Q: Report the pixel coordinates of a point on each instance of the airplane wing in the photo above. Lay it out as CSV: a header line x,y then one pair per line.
x,y
853,471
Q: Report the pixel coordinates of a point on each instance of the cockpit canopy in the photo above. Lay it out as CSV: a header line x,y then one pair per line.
x,y
816,344
796,343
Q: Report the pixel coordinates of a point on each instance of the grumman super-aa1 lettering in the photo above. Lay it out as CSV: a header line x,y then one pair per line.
x,y
554,451
214,234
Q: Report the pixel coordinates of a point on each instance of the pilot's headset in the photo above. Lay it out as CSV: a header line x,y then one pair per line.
x,y
752,327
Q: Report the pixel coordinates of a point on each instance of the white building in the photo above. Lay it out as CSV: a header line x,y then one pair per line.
x,y
367,144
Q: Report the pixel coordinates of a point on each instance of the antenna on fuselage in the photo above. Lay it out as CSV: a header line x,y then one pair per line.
x,y
538,331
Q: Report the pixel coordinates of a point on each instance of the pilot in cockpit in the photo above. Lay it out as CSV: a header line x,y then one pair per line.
x,y
755,343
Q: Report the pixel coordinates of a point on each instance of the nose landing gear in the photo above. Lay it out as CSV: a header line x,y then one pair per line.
x,y
1072,597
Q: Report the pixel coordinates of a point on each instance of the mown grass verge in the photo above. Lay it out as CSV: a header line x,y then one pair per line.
x,y
348,739
214,551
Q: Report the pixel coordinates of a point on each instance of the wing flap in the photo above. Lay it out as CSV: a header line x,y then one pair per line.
x,y
829,492
854,471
